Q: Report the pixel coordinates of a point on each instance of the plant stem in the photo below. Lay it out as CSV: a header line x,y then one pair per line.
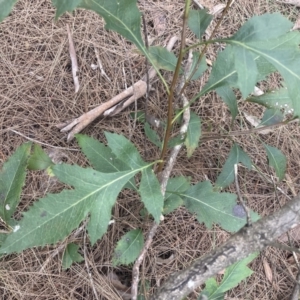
x,y
173,86
206,45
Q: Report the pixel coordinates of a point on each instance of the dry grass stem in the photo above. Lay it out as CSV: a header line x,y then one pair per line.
x,y
75,70
100,65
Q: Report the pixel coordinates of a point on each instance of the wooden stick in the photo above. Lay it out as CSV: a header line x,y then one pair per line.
x,y
75,69
134,92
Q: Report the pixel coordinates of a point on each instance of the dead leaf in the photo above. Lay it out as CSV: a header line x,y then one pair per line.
x,y
161,261
254,121
217,9
209,62
268,270
257,91
293,2
160,23
297,24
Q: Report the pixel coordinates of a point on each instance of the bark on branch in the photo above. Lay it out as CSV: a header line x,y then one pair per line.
x,y
248,240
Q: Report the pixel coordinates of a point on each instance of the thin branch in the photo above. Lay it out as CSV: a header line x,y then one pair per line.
x,y
147,81
75,69
248,240
207,136
295,293
228,4
88,268
172,87
246,209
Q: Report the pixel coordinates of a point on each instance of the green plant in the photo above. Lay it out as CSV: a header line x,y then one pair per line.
x,y
247,59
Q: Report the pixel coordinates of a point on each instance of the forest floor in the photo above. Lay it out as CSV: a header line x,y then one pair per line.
x,y
37,93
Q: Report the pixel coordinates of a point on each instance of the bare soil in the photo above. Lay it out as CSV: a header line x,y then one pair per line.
x,y
37,93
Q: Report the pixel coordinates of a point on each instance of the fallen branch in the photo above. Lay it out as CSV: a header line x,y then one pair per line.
x,y
248,240
133,93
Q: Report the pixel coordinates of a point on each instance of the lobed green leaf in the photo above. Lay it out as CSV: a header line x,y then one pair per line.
x,y
214,207
102,158
54,217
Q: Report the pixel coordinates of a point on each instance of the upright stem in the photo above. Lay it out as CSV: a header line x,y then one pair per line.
x,y
206,45
173,86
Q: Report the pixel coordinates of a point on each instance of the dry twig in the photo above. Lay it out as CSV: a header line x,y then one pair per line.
x,y
100,65
133,93
73,60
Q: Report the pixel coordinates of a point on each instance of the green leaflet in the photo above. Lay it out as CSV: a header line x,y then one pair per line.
x,y
284,54
261,28
232,277
277,160
163,58
71,255
213,207
39,160
246,69
6,7
12,179
279,51
271,116
279,99
102,158
128,248
228,96
175,187
54,217
151,194
152,135
236,155
124,150
193,134
201,68
149,188
198,21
